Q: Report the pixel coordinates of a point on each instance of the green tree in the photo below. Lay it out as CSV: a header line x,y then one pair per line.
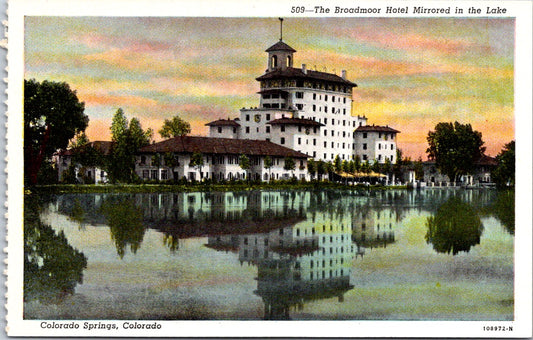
x,y
337,164
244,163
365,167
311,167
289,165
268,163
504,173
197,161
455,227
128,139
321,169
418,167
53,115
175,127
79,140
387,166
357,163
345,166
376,166
455,148
170,159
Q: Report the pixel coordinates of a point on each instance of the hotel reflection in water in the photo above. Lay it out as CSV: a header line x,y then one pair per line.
x,y
302,243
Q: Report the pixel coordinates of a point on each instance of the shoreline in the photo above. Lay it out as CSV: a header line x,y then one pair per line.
x,y
199,187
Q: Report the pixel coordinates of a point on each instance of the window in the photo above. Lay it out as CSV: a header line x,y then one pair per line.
x,y
332,133
268,116
344,111
314,107
247,129
282,128
326,98
325,145
268,129
314,95
275,61
282,140
325,120
143,160
332,144
153,174
247,118
314,141
299,95
333,98
300,106
379,146
299,141
392,146
344,101
379,157
314,154
146,174
333,122
234,130
164,174
392,158
364,135
299,128
364,146
325,132
365,157
219,129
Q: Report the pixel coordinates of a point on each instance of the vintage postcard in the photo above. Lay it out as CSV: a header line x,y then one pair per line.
x,y
269,169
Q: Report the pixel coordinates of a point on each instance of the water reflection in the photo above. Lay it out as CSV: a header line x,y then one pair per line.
x,y
52,267
125,221
455,227
303,243
503,209
296,264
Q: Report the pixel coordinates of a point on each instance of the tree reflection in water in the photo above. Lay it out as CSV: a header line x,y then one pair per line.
x,y
124,219
503,210
455,227
52,267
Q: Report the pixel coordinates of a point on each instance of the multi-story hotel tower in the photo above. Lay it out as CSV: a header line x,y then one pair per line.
x,y
305,110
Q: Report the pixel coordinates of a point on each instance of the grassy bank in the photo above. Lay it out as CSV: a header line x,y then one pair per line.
x,y
197,187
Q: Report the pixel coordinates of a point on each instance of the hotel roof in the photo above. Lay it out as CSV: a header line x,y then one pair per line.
x,y
210,145
223,122
375,128
291,72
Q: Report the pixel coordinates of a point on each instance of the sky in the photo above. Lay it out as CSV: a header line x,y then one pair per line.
x,y
411,73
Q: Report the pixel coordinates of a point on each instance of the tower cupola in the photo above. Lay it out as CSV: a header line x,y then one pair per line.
x,y
280,55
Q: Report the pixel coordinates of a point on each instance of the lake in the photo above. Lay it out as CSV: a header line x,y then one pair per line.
x,y
433,254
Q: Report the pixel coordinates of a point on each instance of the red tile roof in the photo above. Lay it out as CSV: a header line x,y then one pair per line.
x,y
223,122
375,128
295,121
291,72
210,145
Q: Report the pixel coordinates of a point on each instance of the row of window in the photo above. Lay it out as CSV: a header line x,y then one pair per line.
x,y
333,109
385,135
304,84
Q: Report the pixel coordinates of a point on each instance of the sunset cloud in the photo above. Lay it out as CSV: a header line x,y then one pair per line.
x,y
411,73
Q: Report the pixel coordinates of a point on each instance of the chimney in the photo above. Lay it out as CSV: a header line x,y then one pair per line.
x,y
304,68
343,74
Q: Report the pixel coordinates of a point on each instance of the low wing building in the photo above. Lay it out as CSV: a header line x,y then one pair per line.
x,y
172,159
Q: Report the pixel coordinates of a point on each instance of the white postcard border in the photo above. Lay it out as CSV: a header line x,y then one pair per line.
x,y
18,9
